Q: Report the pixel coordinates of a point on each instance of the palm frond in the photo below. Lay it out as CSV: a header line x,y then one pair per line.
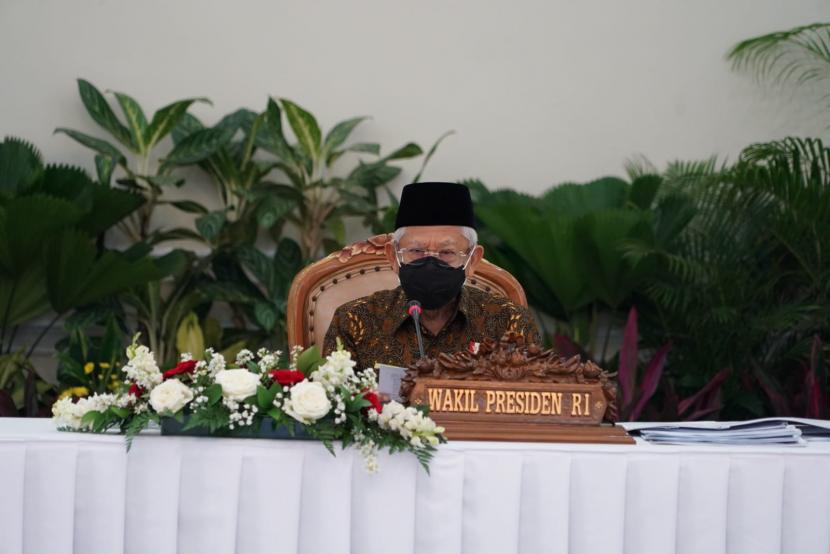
x,y
639,166
682,175
799,55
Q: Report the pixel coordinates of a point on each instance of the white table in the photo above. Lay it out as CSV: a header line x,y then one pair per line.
x,y
68,492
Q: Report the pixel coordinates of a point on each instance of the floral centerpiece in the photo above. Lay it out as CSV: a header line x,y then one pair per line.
x,y
322,398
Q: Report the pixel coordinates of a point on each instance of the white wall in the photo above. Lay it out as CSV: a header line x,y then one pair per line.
x,y
539,92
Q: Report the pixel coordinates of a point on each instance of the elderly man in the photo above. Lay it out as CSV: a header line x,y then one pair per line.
x,y
433,251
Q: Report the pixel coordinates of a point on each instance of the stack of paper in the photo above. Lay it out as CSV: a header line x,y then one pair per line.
x,y
795,431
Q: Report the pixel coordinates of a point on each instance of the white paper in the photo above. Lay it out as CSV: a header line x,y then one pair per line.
x,y
389,380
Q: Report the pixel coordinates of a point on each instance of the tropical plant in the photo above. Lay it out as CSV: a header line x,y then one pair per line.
x,y
568,250
141,138
259,194
320,198
51,258
252,190
89,356
746,285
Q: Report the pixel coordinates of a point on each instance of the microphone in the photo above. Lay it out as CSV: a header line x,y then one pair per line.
x,y
413,308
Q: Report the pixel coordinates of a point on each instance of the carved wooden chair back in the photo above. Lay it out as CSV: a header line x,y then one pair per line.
x,y
358,270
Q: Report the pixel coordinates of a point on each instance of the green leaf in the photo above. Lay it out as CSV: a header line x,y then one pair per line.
x,y
165,119
574,200
265,315
368,147
20,166
101,205
91,417
305,128
309,360
100,111
119,412
371,176
25,298
136,120
96,144
259,265
340,132
274,209
136,425
265,189
643,191
598,236
213,393
210,225
104,166
199,145
76,277
265,397
187,125
270,136
240,119
430,153
108,207
67,182
27,224
288,260
409,150
227,292
357,404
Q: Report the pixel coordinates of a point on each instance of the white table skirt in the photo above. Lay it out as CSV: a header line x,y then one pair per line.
x,y
68,492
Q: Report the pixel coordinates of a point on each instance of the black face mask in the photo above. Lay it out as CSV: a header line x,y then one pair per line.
x,y
431,282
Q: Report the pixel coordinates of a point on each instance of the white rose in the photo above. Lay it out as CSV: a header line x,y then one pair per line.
x,y
170,396
237,384
308,402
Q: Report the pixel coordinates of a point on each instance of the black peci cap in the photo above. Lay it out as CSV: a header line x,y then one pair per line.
x,y
435,204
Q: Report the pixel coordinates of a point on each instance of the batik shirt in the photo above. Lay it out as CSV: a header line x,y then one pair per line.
x,y
377,329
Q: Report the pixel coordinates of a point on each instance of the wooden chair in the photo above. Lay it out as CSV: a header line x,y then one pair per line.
x,y
359,270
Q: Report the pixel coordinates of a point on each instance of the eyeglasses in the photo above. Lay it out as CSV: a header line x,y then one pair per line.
x,y
454,258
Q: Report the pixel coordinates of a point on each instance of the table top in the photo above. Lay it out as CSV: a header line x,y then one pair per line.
x,y
43,429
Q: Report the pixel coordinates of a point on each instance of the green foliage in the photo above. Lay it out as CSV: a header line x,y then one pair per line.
x,y
570,249
745,286
213,417
51,259
140,138
133,425
90,355
801,54
309,360
798,56
315,199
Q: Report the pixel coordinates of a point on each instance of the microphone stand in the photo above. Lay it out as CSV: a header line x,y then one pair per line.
x,y
414,310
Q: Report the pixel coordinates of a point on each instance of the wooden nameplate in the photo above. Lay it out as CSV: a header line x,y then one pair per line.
x,y
506,391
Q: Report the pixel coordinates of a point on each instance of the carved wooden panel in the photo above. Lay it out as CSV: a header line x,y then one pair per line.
x,y
507,390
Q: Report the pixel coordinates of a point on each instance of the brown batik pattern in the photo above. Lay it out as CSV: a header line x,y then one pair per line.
x,y
376,328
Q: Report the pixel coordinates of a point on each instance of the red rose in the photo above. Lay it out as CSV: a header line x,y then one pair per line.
x,y
136,390
287,377
372,397
183,367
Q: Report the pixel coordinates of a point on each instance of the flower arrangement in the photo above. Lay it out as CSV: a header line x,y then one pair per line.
x,y
324,398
